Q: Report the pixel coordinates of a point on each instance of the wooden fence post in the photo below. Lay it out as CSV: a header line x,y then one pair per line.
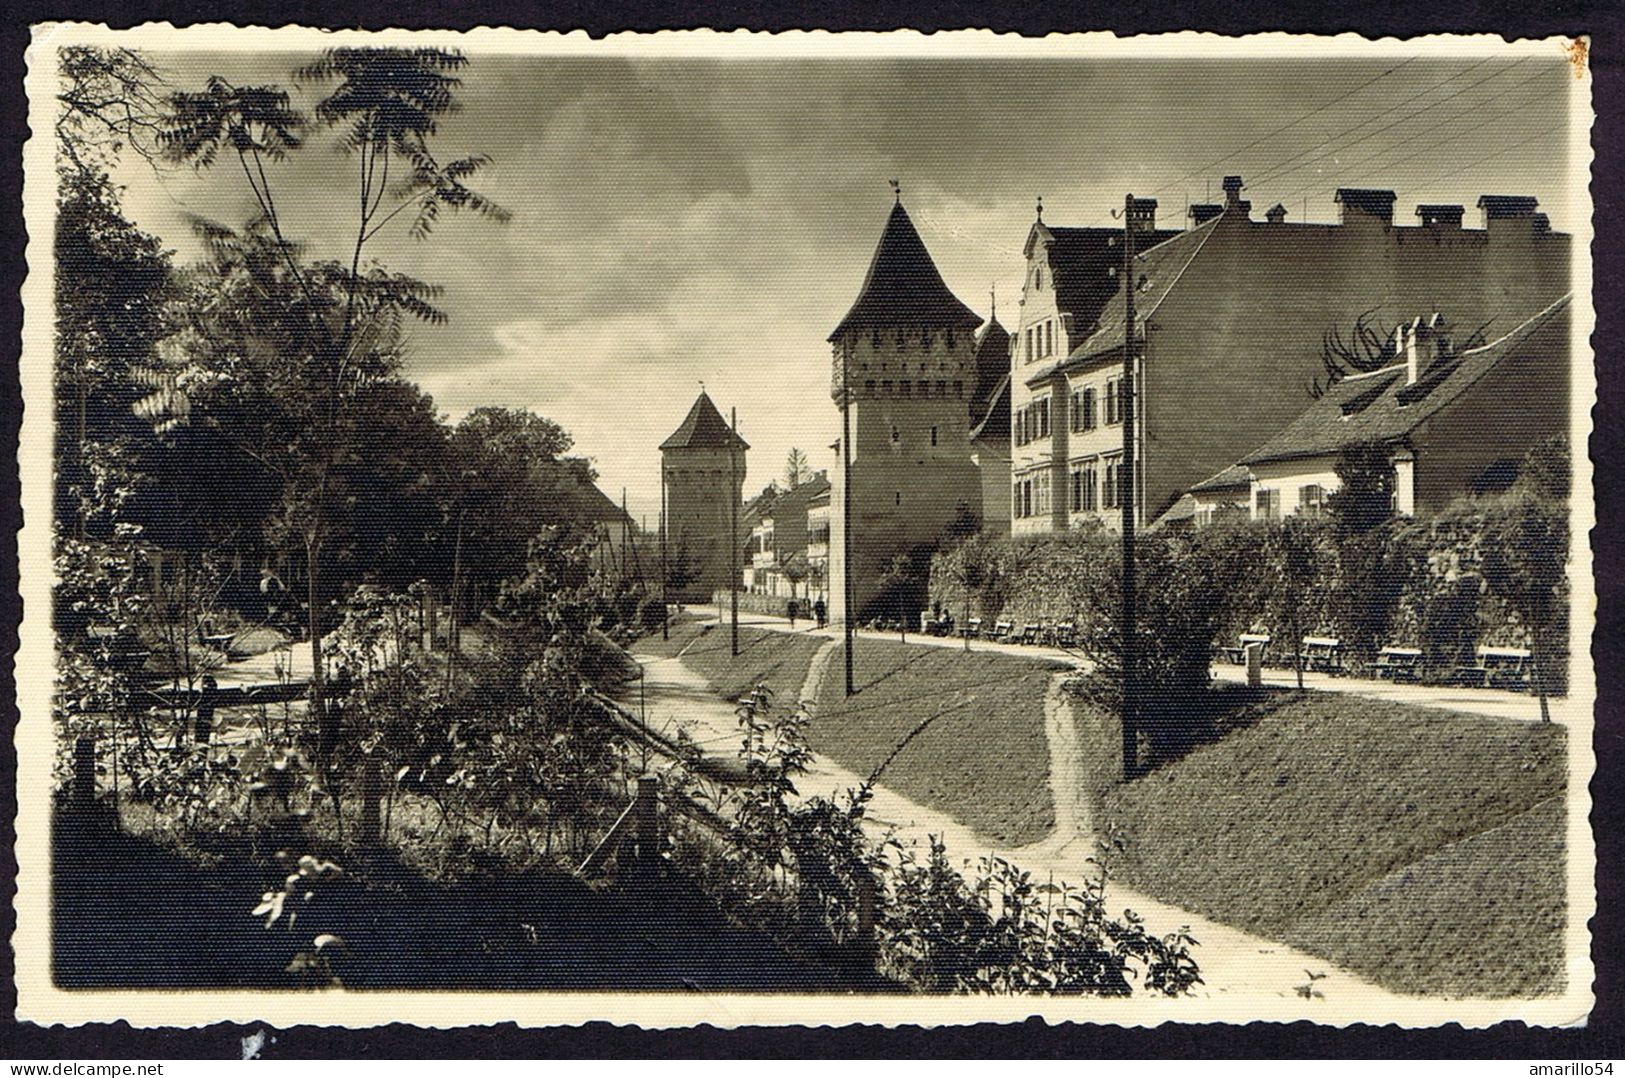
x,y
651,841
371,791
84,773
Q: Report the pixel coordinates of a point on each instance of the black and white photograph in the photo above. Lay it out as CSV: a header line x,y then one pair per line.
x,y
812,528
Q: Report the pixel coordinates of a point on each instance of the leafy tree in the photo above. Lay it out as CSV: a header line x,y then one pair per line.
x,y
334,329
1364,497
1294,555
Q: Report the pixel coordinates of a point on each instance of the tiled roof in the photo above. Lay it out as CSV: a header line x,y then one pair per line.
x,y
992,367
1381,407
796,499
1496,207
703,429
903,288
995,419
1231,478
1157,271
1082,261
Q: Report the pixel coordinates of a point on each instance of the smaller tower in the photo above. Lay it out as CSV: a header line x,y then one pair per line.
x,y
700,481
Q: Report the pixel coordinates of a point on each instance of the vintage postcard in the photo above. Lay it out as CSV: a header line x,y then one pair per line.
x,y
806,528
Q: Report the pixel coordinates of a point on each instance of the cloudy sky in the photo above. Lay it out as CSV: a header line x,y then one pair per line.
x,y
679,220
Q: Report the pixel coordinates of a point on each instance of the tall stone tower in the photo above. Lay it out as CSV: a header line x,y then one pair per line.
x,y
905,371
703,489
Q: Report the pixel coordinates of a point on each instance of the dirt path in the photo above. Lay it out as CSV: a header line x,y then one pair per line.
x,y
1235,964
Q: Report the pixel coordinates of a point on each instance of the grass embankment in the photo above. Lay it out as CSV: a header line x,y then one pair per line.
x,y
778,660
1418,847
986,764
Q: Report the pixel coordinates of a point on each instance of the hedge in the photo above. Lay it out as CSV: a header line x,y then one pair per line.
x,y
1471,575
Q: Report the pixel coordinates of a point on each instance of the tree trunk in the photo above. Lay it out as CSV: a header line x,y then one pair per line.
x,y
1539,678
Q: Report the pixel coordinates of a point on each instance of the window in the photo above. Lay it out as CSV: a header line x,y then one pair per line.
x,y
898,498
1038,278
950,340
895,436
869,386
1089,409
924,388
901,340
1043,417
1312,500
885,385
1083,487
959,388
1027,498
1015,500
1049,337
1114,401
1030,354
942,388
1267,505
933,436
1041,484
904,386
1111,492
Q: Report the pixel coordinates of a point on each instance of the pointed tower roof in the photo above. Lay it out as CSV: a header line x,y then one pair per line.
x,y
992,365
903,288
703,429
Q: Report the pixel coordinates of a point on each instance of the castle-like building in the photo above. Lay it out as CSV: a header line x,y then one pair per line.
x,y
918,389
703,468
1231,318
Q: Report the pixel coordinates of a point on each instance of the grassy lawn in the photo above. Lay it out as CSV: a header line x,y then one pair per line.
x,y
1404,843
779,660
986,764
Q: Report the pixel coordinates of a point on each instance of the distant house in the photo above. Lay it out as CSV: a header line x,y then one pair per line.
x,y
1451,424
781,535
1230,317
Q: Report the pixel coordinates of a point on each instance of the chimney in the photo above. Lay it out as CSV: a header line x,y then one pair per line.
x,y
1142,214
1507,208
1234,204
1441,217
1203,212
1406,341
1365,204
1276,214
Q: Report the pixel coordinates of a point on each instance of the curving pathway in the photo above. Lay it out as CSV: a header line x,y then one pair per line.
x,y
1234,964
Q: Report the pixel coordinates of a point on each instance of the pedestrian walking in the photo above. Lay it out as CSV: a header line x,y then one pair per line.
x,y
819,610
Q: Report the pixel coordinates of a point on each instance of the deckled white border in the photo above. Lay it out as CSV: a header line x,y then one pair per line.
x,y
40,1001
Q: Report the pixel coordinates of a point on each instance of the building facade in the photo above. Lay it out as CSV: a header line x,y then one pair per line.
x,y
905,373
703,464
1231,319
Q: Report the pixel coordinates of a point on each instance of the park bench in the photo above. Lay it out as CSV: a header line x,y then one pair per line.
x,y
1238,654
973,628
1399,664
1001,630
1322,653
1496,668
1032,632
943,626
1064,635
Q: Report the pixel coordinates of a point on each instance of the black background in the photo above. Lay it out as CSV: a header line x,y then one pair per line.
x,y
1602,1039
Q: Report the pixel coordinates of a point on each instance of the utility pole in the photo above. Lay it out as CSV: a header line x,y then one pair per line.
x,y
1126,495
847,591
665,605
733,523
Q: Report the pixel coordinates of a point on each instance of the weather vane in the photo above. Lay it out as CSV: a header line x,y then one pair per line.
x,y
897,191
1040,207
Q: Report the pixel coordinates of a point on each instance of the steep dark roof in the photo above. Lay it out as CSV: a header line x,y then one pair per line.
x,y
1381,407
703,429
903,288
1157,270
992,366
1082,261
994,420
1369,199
